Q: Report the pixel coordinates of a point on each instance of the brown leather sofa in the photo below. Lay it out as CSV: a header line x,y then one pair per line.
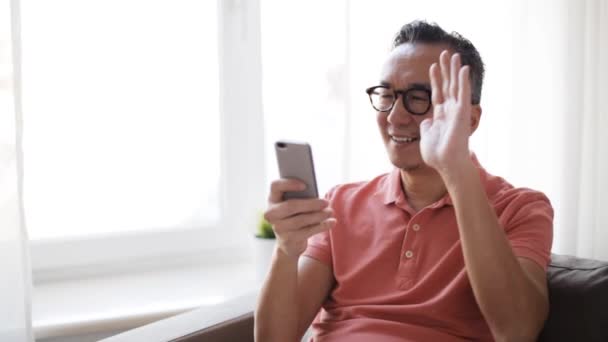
x,y
578,295
578,291
237,329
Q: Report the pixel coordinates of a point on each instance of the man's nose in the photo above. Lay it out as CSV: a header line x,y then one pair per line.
x,y
399,115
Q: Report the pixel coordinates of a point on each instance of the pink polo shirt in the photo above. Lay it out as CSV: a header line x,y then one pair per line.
x,y
400,274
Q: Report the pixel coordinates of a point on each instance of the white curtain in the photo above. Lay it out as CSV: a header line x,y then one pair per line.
x,y
15,276
556,133
586,232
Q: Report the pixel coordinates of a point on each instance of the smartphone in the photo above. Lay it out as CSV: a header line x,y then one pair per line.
x,y
295,161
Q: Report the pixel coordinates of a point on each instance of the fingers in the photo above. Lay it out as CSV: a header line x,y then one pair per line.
x,y
425,125
436,91
444,63
464,93
454,69
295,220
297,229
285,209
280,186
297,206
309,231
445,79
302,221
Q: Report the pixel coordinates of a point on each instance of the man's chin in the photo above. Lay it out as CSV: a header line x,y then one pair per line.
x,y
411,165
411,168
406,161
408,165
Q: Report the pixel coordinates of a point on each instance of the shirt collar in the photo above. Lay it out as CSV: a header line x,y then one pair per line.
x,y
392,188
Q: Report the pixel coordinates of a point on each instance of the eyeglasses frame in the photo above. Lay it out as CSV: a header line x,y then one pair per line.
x,y
403,94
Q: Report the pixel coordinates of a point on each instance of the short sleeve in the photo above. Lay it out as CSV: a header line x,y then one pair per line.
x,y
319,245
530,227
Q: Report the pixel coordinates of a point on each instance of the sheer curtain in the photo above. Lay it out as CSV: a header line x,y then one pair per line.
x,y
554,137
15,283
544,114
581,109
591,237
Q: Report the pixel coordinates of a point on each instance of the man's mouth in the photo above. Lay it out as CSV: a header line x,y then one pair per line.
x,y
404,139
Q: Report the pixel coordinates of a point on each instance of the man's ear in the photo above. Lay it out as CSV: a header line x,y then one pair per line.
x,y
475,117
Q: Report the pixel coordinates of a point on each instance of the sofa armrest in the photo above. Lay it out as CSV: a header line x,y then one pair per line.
x,y
236,329
578,297
231,320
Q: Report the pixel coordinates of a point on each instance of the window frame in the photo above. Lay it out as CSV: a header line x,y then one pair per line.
x,y
241,192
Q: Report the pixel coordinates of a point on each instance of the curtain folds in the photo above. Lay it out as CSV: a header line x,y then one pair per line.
x,y
15,274
591,236
561,90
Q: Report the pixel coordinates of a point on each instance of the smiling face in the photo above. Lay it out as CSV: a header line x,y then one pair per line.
x,y
406,66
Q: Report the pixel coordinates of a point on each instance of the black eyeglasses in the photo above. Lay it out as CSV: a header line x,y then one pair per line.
x,y
416,100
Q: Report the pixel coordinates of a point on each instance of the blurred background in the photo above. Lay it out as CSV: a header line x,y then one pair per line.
x,y
154,121
123,121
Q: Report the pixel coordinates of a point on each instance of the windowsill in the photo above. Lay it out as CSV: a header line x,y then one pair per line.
x,y
125,301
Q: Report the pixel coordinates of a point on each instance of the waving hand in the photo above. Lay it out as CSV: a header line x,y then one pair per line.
x,y
444,139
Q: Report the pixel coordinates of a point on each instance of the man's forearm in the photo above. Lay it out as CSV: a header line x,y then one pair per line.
x,y
508,299
276,314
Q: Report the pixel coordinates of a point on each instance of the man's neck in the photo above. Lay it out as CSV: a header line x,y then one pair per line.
x,y
422,187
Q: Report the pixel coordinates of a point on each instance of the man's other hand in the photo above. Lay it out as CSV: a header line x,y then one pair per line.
x,y
295,220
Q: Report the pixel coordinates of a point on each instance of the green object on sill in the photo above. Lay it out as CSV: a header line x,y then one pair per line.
x,y
264,229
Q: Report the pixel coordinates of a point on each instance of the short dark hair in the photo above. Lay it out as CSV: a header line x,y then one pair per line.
x,y
422,32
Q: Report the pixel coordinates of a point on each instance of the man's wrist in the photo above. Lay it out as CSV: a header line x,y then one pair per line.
x,y
458,176
282,257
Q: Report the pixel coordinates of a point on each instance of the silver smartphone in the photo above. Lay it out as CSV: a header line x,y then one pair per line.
x,y
295,161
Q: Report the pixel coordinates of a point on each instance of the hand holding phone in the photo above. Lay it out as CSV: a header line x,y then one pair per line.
x,y
295,221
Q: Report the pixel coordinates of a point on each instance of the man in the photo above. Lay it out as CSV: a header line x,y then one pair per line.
x,y
438,249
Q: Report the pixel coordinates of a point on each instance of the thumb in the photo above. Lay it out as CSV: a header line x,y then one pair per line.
x,y
425,125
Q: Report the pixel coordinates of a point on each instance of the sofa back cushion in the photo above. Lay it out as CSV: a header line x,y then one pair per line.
x,y
578,297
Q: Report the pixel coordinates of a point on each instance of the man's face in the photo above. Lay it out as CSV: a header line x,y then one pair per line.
x,y
406,66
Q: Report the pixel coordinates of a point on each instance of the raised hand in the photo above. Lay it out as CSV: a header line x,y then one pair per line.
x,y
444,141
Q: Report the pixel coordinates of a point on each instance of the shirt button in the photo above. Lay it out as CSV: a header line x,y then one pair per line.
x,y
416,227
409,254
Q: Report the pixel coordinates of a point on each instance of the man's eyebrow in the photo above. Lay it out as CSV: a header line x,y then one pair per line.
x,y
420,86
409,86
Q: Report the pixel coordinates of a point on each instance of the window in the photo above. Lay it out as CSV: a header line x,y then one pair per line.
x,y
121,114
130,132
